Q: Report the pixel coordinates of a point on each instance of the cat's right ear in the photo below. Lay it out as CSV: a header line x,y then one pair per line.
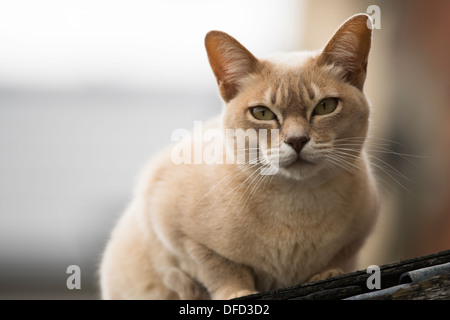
x,y
230,62
349,49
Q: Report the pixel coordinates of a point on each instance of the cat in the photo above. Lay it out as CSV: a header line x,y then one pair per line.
x,y
221,231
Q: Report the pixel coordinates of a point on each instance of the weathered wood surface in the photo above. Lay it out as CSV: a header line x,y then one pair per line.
x,y
435,288
353,284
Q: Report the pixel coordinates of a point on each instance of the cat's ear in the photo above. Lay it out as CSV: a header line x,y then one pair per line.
x,y
230,62
349,48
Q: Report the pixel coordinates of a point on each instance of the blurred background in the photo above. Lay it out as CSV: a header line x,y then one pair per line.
x,y
89,90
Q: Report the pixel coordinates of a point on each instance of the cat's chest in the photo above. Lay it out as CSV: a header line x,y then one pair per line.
x,y
295,207
294,237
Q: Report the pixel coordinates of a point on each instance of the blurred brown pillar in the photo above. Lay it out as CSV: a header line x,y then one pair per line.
x,y
427,28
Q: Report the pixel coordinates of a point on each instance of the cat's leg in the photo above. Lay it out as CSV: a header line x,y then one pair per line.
x,y
127,272
223,278
186,287
329,273
128,265
343,262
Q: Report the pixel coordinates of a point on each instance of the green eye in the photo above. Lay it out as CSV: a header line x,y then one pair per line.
x,y
262,113
326,106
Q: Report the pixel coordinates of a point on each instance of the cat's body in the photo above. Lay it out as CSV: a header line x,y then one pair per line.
x,y
224,230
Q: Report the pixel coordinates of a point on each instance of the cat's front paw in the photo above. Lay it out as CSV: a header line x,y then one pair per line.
x,y
326,274
240,293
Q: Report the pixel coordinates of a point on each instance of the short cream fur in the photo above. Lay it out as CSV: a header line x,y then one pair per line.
x,y
205,231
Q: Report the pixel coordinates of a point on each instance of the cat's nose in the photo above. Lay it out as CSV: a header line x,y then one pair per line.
x,y
297,142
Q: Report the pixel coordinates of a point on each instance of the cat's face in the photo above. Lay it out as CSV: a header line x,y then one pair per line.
x,y
315,100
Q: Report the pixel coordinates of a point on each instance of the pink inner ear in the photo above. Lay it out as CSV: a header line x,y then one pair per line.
x,y
349,48
230,62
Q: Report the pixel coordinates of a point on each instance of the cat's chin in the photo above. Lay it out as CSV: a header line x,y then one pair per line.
x,y
299,163
303,170
299,170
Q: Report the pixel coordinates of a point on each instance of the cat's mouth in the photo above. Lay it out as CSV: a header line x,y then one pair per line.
x,y
299,160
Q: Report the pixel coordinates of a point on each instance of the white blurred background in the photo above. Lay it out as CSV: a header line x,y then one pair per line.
x,y
89,90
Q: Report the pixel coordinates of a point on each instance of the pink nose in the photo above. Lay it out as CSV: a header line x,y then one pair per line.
x,y
297,142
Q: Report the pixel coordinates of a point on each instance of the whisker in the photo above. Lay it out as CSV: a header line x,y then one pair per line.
x,y
235,173
385,170
255,187
236,189
381,149
344,164
395,171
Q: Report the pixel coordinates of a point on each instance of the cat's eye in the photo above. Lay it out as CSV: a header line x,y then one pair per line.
x,y
262,113
326,106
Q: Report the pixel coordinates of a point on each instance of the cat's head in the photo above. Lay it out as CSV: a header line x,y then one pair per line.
x,y
314,99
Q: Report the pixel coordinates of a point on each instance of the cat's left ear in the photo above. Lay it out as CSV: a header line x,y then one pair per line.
x,y
349,49
230,62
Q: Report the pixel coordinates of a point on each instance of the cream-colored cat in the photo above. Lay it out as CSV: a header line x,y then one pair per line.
x,y
226,230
